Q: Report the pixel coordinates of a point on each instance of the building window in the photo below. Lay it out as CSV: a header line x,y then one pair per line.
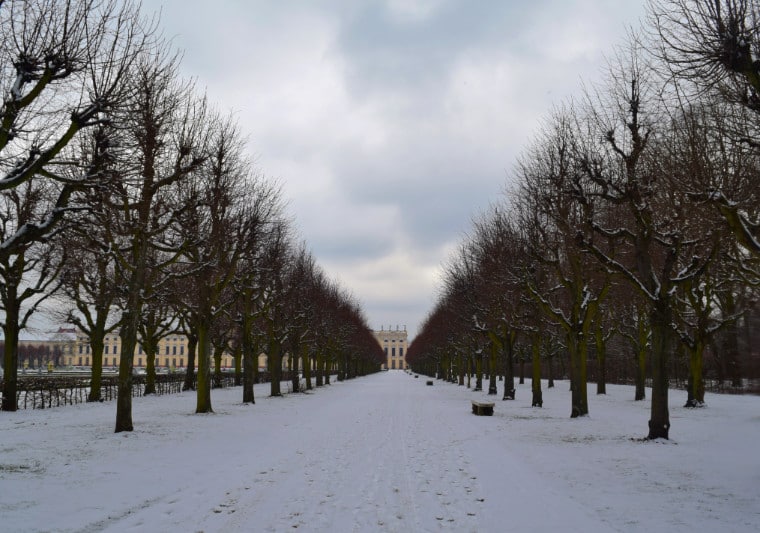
x,y
174,361
174,350
401,352
166,352
166,361
386,351
139,361
181,362
393,352
106,348
80,361
86,361
81,347
139,349
182,350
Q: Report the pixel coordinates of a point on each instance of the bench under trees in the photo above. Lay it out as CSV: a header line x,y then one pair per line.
x,y
482,408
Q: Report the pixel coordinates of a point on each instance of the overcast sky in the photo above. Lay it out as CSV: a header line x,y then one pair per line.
x,y
391,123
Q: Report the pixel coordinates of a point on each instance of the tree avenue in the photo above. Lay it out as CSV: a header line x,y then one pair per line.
x,y
140,209
626,246
63,67
632,223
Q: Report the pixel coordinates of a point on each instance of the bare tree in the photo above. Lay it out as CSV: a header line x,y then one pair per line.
x,y
500,289
275,263
62,70
712,50
162,142
262,220
214,228
654,250
29,275
88,283
566,283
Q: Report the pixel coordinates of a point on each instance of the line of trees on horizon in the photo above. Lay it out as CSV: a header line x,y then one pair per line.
x,y
632,219
129,199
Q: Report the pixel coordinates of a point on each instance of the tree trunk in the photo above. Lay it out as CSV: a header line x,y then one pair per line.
x,y
341,367
306,364
96,378
249,361
642,332
492,390
10,358
538,400
192,345
601,360
274,362
578,349
203,388
641,374
659,422
509,374
696,385
320,368
293,363
129,321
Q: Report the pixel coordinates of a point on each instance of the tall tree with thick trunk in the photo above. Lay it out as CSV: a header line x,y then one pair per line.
x,y
62,71
566,284
213,228
162,144
628,174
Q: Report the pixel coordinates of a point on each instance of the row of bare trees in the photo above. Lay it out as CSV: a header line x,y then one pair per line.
x,y
129,198
38,355
633,219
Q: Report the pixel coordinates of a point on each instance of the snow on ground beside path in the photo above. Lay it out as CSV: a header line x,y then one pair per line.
x,y
382,453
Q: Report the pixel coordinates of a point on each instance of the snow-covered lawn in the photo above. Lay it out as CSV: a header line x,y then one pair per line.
x,y
382,453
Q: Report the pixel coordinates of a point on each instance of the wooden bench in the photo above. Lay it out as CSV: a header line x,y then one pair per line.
x,y
482,408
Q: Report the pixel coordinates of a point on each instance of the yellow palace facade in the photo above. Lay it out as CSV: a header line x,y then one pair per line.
x,y
171,353
395,344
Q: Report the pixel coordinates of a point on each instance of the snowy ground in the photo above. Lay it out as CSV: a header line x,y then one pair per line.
x,y
382,453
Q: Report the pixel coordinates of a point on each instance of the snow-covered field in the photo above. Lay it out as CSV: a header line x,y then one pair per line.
x,y
382,453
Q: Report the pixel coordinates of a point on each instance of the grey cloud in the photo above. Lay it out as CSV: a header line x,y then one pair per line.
x,y
390,132
385,53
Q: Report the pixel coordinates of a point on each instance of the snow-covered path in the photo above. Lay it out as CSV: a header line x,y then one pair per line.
x,y
393,455
381,453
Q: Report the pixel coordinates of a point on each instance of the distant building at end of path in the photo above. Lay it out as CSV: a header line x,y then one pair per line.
x,y
394,343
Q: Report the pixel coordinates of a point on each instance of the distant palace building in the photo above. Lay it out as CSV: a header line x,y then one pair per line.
x,y
71,347
394,343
